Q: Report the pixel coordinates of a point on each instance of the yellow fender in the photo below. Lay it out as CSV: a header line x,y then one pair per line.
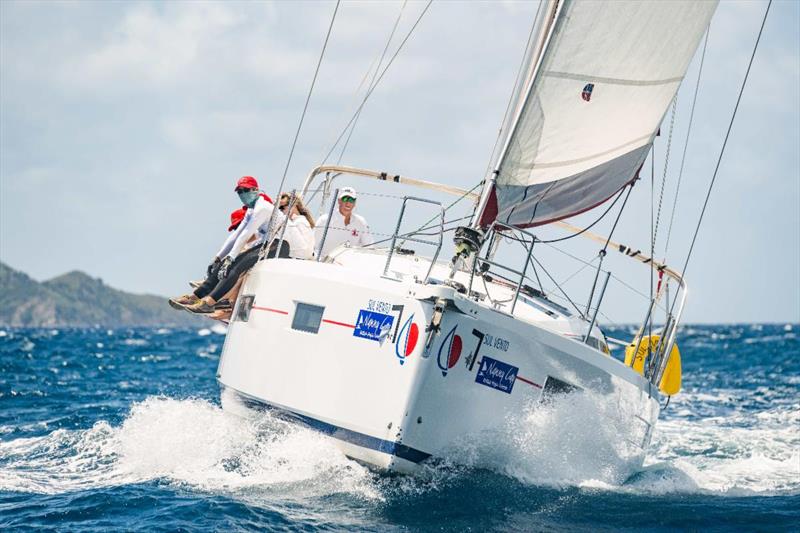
x,y
671,380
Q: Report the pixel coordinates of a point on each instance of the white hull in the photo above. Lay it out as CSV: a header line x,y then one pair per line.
x,y
386,400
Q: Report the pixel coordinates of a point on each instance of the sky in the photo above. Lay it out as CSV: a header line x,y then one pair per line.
x,y
124,126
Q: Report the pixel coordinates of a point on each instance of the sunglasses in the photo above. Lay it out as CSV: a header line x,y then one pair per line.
x,y
348,199
243,189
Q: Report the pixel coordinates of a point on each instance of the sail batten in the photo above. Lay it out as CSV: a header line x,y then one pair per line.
x,y
601,85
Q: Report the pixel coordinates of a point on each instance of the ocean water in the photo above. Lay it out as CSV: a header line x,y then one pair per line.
x,y
110,430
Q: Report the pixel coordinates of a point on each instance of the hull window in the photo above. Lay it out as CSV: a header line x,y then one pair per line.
x,y
243,310
307,317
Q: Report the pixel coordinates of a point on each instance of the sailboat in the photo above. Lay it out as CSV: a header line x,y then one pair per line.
x,y
398,355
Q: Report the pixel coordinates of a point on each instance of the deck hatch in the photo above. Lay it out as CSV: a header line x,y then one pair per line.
x,y
307,317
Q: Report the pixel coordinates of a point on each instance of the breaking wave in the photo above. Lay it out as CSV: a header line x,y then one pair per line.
x,y
194,443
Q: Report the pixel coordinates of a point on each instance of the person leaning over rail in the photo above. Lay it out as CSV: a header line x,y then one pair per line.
x,y
299,231
239,252
236,219
345,225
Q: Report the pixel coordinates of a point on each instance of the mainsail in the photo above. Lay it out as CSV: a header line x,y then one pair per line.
x,y
599,79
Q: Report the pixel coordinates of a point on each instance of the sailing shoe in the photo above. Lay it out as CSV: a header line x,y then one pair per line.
x,y
196,283
181,302
223,304
200,308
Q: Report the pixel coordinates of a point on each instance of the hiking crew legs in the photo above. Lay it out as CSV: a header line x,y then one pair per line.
x,y
209,283
244,262
240,265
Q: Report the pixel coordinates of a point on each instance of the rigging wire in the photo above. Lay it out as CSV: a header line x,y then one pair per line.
x,y
377,81
652,239
686,144
446,209
666,164
300,126
722,150
374,75
587,228
308,97
557,285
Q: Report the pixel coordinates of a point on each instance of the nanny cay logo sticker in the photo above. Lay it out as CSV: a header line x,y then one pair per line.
x,y
497,374
373,325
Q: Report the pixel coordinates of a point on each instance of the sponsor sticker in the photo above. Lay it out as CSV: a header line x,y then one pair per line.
x,y
496,374
449,351
373,325
407,340
586,93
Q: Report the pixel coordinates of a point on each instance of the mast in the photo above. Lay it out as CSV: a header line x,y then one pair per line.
x,y
540,37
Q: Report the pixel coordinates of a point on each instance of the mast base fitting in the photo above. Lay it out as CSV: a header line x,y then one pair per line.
x,y
468,241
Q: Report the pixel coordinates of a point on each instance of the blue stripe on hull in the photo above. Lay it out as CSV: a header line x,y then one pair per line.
x,y
347,435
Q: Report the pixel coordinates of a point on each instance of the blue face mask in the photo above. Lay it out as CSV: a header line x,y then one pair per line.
x,y
248,198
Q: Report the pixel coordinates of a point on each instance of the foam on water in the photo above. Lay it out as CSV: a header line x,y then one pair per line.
x,y
194,442
732,434
184,441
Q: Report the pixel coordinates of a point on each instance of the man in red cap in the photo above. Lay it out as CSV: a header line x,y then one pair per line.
x,y
239,252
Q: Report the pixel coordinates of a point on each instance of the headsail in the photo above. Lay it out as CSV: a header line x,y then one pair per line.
x,y
599,86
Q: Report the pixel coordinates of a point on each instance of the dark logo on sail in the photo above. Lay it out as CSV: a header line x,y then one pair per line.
x,y
586,94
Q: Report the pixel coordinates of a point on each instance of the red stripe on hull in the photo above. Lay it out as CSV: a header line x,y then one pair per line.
x,y
270,310
529,382
335,323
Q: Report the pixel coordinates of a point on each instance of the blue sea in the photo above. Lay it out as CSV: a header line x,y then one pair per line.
x,y
121,430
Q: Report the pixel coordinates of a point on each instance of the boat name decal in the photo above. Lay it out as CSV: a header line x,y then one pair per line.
x,y
496,343
372,325
496,374
379,306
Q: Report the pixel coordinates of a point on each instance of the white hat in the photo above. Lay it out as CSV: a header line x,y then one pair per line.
x,y
347,191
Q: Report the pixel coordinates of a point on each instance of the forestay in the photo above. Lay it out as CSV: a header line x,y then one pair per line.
x,y
601,77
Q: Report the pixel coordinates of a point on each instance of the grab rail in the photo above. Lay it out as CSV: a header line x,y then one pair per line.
x,y
438,244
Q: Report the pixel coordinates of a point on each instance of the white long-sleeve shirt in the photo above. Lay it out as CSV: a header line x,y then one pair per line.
x,y
356,233
255,222
300,237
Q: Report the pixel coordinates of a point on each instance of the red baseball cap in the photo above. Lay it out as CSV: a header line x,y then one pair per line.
x,y
246,182
237,217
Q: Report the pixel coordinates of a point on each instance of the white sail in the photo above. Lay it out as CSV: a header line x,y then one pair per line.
x,y
603,79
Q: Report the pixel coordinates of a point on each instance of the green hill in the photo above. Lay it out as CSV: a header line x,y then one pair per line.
x,y
76,299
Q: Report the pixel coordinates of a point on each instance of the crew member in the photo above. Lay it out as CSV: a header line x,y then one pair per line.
x,y
345,225
239,252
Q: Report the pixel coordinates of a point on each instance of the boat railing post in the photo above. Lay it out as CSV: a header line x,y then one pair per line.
x,y
286,219
327,226
439,246
655,362
672,332
597,308
641,330
602,255
522,275
394,236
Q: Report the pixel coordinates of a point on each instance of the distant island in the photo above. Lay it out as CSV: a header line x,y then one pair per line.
x,y
76,299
